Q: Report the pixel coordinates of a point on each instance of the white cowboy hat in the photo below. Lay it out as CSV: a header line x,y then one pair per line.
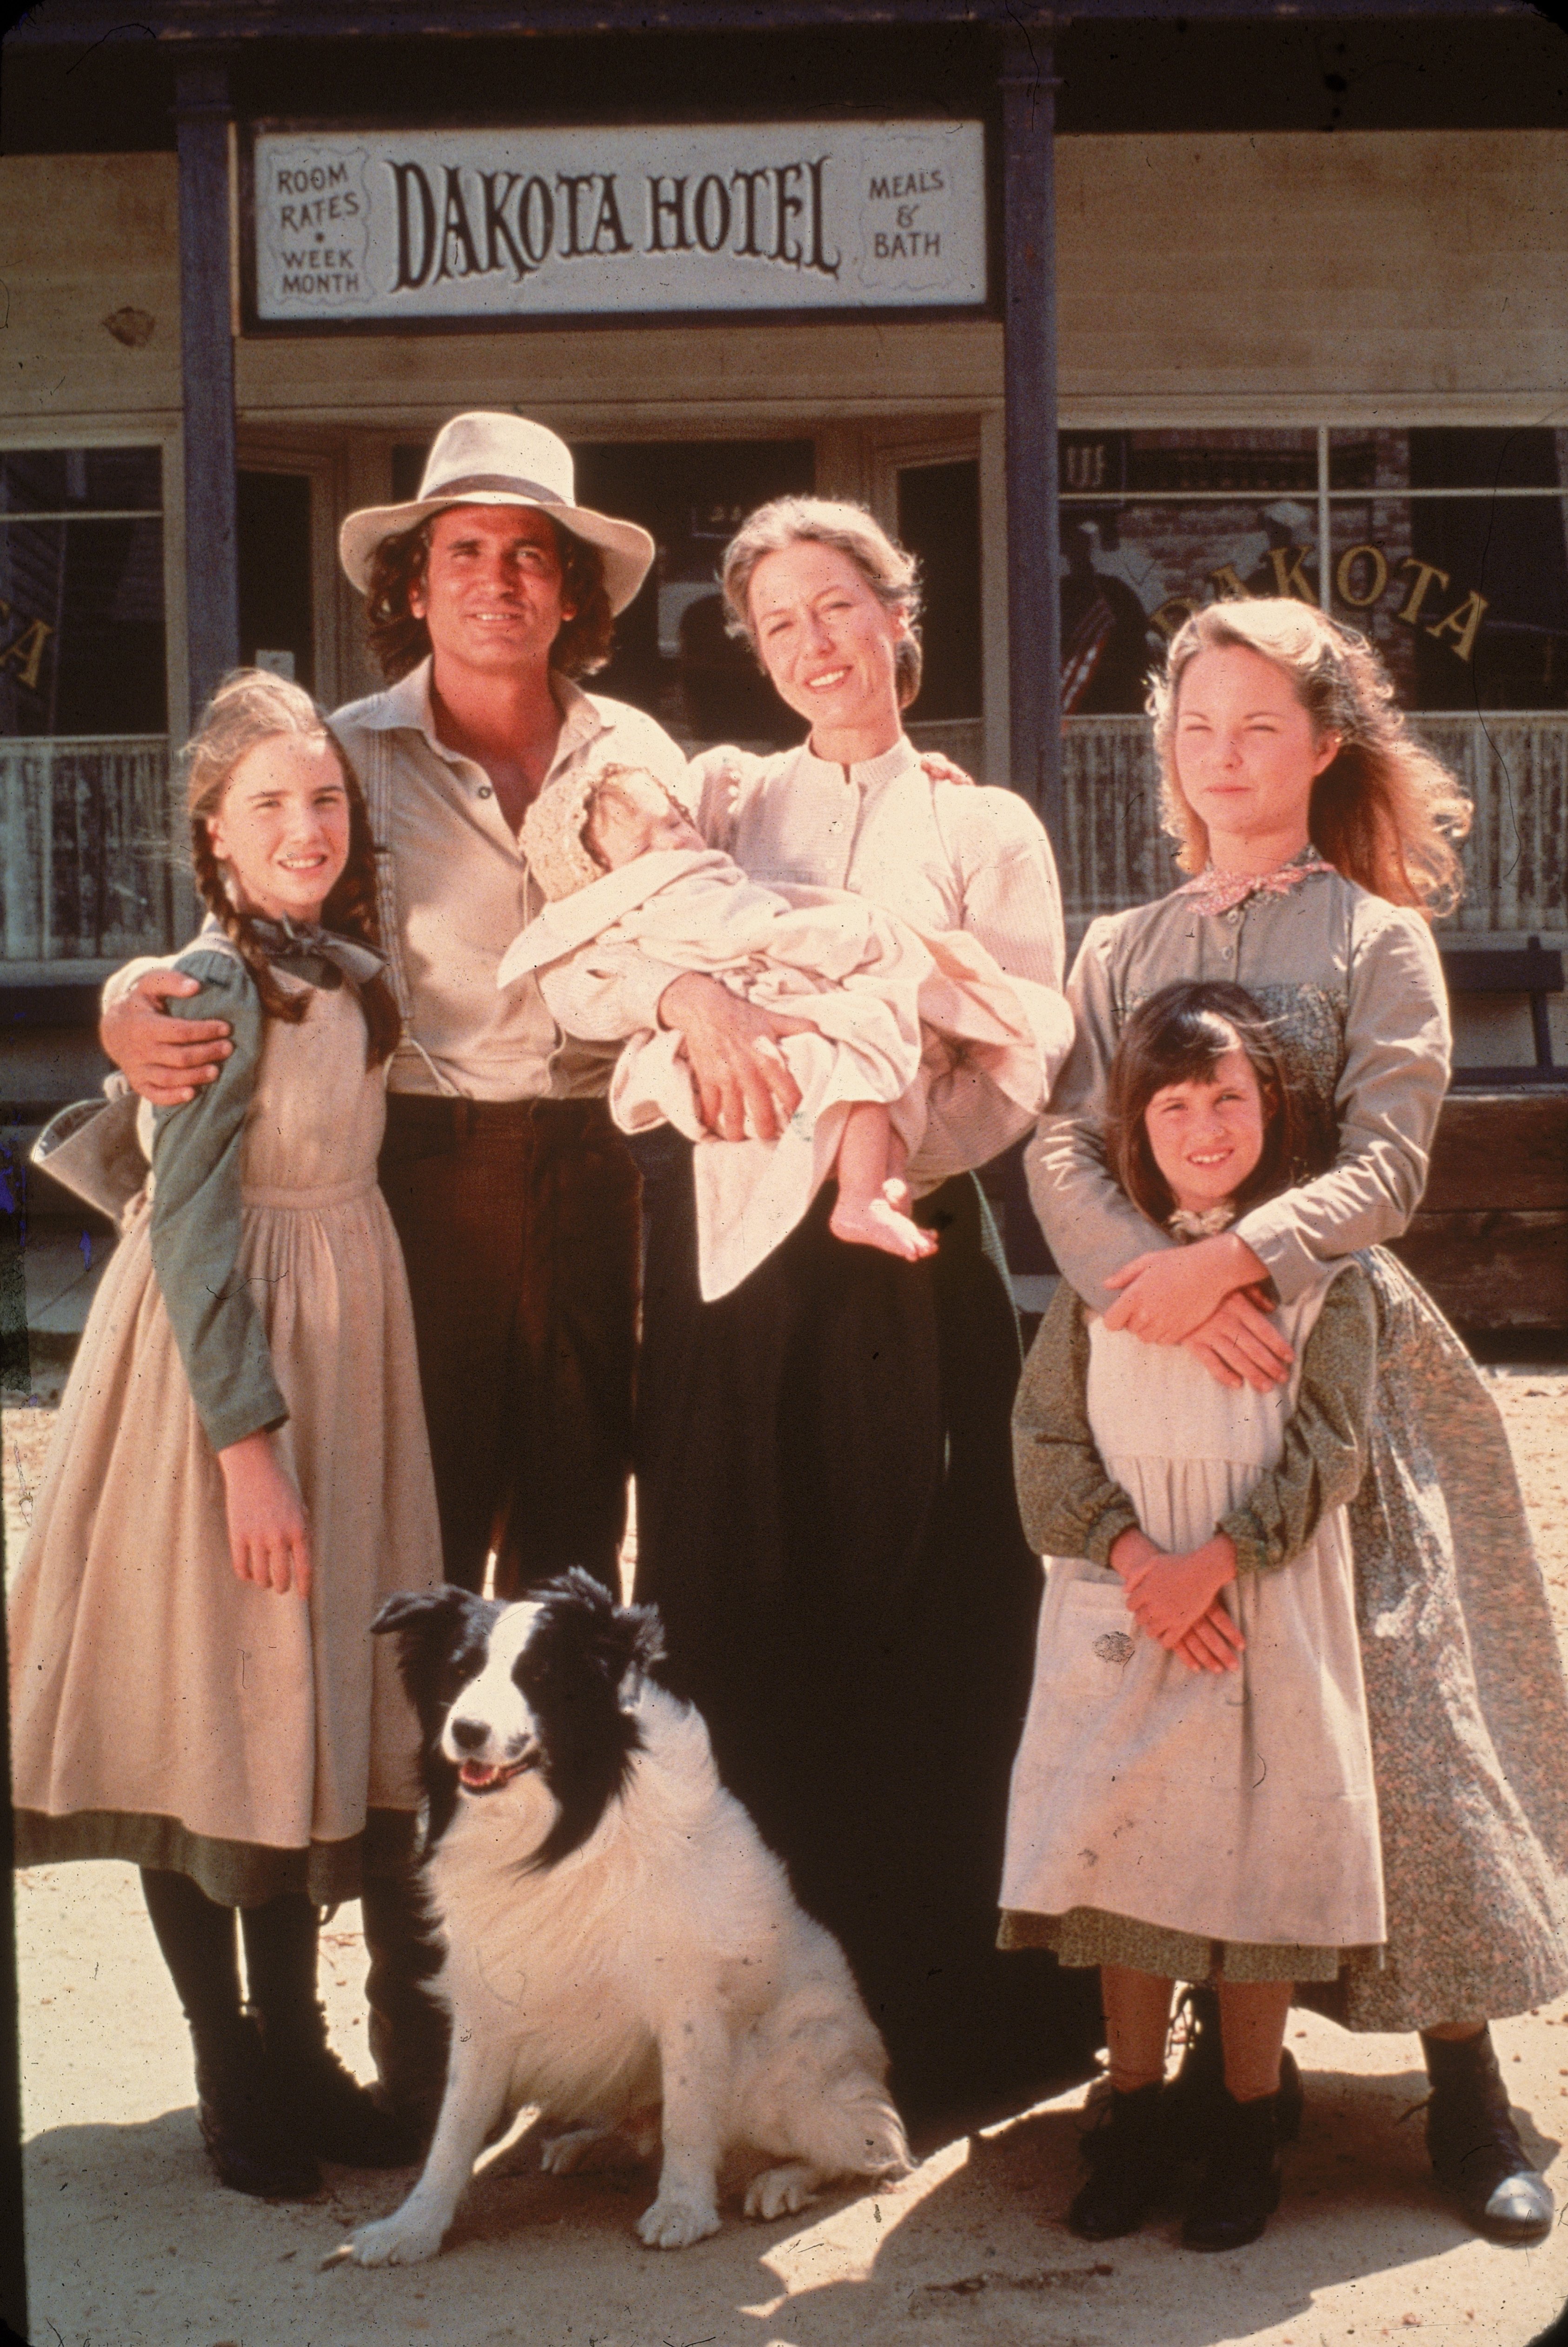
x,y
502,460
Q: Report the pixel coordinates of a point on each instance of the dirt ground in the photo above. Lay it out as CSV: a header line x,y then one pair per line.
x,y
131,2243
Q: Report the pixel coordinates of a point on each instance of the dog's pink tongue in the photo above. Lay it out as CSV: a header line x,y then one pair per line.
x,y
479,1774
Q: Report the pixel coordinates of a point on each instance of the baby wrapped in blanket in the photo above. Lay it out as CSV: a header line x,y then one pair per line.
x,y
882,1010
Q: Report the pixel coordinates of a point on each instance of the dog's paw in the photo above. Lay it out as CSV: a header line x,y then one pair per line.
x,y
397,2241
782,2192
675,2224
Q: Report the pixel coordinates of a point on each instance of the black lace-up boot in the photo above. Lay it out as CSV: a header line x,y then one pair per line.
x,y
1129,2156
1474,2143
1239,2189
249,2139
249,2145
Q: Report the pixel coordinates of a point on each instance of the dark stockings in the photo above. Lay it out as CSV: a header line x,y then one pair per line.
x,y
281,1962
200,1945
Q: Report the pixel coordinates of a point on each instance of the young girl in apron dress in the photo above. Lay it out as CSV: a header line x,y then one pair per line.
x,y
241,1475
1193,1795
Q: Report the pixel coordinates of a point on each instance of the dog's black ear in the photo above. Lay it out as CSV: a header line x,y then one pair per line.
x,y
420,1608
441,1634
619,1637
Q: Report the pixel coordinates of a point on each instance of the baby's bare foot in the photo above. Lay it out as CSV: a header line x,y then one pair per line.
x,y
876,1222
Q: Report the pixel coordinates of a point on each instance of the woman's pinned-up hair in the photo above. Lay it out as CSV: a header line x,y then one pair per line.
x,y
891,573
251,706
1385,812
1179,1036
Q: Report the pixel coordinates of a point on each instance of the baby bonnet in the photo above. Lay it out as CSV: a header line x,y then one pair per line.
x,y
552,836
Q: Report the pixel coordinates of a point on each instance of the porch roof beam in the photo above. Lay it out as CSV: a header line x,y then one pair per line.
x,y
1028,287
207,371
82,23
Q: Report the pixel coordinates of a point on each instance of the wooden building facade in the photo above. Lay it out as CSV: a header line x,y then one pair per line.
x,y
1104,313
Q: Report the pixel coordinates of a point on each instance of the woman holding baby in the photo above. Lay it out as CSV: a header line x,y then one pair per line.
x,y
826,1513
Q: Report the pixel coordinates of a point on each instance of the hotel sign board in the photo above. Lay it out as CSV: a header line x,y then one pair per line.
x,y
353,227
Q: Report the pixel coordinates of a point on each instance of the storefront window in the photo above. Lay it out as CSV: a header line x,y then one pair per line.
x,y
1446,545
81,593
86,873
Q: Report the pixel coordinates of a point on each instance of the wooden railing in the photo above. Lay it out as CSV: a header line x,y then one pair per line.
x,y
1116,854
87,873
962,739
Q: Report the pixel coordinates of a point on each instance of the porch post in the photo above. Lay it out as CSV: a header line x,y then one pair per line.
x,y
207,371
1034,588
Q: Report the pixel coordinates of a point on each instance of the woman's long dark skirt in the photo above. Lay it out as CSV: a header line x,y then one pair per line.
x,y
827,1525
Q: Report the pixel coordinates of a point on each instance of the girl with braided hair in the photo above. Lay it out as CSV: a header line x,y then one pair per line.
x,y
240,1473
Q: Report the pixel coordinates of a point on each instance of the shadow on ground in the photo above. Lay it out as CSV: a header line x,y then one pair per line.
x,y
132,2245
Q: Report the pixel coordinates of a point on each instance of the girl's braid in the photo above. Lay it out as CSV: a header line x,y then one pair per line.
x,y
352,909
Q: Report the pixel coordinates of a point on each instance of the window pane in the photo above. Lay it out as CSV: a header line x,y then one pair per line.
x,y
1155,464
1445,458
939,521
275,599
1130,573
86,872
1466,597
409,471
54,480
81,629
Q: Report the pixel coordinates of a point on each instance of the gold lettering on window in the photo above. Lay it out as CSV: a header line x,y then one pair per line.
x,y
1425,573
1345,572
1173,612
1462,621
28,651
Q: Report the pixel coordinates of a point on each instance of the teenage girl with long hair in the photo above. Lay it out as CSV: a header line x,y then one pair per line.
x,y
241,1474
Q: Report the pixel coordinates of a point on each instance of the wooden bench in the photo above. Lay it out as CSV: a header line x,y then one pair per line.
x,y
1490,1241
1535,971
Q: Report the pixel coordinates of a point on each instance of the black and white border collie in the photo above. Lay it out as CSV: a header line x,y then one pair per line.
x,y
620,1949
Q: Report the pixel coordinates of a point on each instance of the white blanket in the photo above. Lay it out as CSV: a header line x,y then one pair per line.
x,y
894,1010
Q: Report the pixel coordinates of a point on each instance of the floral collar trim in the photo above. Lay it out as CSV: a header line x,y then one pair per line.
x,y
1207,1224
1220,892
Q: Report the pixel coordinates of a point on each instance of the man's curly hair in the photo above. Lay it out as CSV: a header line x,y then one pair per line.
x,y
400,641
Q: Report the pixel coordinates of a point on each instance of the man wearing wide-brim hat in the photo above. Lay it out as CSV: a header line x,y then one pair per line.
x,y
515,1198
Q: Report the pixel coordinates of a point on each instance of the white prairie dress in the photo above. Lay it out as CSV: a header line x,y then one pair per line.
x,y
1238,1806
163,1710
